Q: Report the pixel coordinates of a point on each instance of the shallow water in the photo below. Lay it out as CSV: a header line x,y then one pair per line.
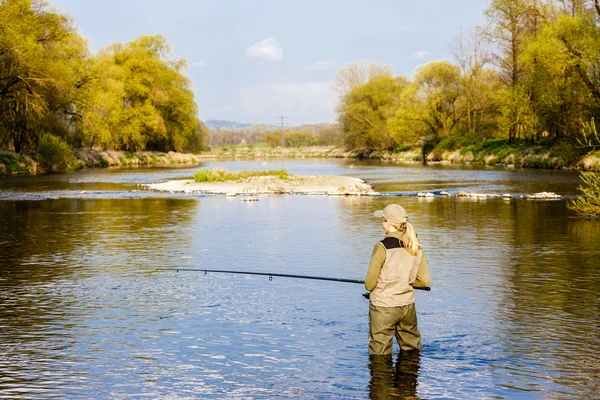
x,y
513,313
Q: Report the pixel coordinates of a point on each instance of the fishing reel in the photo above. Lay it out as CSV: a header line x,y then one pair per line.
x,y
367,295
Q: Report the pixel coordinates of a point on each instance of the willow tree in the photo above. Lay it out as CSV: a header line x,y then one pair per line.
x,y
431,107
356,74
41,58
140,99
364,112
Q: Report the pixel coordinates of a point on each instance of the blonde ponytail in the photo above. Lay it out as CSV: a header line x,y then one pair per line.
x,y
411,242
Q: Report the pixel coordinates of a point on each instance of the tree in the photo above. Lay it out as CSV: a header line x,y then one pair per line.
x,y
477,84
430,109
559,91
141,100
579,36
364,112
516,113
508,26
356,74
40,61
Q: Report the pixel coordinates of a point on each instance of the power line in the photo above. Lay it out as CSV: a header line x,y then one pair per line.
x,y
282,137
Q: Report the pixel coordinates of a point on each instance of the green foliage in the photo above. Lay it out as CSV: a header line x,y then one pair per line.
x,y
223,175
300,139
10,162
365,110
41,59
429,108
454,142
518,118
588,205
589,136
15,163
141,100
54,153
131,96
544,80
273,138
292,138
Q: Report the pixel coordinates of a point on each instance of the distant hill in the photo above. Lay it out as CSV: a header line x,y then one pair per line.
x,y
218,124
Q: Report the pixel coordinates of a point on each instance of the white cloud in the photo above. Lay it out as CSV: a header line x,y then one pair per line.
x,y
269,49
297,99
420,54
321,66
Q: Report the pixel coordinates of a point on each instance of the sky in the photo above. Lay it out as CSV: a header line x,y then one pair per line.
x,y
252,61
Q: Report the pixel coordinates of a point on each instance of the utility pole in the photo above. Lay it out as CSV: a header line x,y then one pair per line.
x,y
282,137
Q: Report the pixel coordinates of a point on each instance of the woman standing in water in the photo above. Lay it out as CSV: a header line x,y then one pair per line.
x,y
397,265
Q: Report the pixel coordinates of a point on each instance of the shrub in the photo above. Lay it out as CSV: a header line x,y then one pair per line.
x,y
588,205
300,138
10,162
223,175
54,153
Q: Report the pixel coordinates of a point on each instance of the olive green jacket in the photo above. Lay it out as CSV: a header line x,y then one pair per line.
x,y
380,275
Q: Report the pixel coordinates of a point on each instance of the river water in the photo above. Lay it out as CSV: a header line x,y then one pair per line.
x,y
514,310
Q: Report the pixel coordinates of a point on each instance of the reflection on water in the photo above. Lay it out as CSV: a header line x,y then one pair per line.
x,y
513,312
394,381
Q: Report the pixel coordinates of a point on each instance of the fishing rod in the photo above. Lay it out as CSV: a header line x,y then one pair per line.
x,y
271,275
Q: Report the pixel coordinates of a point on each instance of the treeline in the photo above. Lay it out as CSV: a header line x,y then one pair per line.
x,y
321,134
530,73
129,97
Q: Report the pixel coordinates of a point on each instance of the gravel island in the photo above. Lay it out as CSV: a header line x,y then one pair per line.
x,y
295,184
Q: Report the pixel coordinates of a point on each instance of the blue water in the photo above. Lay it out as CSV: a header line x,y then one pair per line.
x,y
84,313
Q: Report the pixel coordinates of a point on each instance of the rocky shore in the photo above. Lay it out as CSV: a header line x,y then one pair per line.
x,y
295,184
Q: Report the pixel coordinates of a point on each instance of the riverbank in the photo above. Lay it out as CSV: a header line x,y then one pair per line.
x,y
14,163
112,158
497,152
491,153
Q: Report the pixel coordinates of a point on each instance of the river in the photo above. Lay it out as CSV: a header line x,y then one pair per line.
x,y
514,310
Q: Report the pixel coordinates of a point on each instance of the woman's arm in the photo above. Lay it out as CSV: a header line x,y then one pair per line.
x,y
377,260
423,278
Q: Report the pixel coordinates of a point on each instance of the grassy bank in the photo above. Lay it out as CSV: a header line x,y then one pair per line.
x,y
491,152
496,152
111,158
13,163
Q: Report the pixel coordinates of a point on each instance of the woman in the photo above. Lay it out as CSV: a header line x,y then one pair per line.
x,y
397,265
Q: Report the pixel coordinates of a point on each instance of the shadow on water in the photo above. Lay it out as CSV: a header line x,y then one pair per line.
x,y
49,249
397,380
